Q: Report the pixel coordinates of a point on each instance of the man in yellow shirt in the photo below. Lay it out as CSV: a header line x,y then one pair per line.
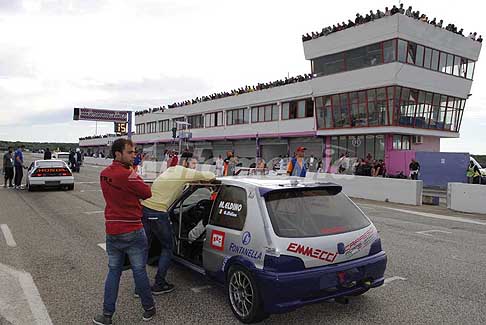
x,y
165,191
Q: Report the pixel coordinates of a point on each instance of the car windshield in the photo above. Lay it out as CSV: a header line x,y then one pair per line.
x,y
312,213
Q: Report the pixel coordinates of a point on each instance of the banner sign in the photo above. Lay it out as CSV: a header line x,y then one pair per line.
x,y
99,115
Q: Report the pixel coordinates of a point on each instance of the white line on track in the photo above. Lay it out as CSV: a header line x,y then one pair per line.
x,y
201,289
87,182
393,278
103,246
82,191
94,212
39,310
8,235
431,215
427,232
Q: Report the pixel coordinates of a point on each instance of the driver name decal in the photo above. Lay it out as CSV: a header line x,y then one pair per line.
x,y
217,240
230,209
312,252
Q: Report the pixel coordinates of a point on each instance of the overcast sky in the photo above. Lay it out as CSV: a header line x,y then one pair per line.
x,y
135,54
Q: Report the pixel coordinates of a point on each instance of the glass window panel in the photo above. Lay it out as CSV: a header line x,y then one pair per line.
x,y
328,117
355,114
344,110
293,110
356,59
285,111
321,117
397,142
268,113
301,108
411,52
450,63
435,60
246,115
370,146
470,69
406,142
309,108
402,50
353,97
373,55
389,51
373,114
443,100
442,62
463,68
261,114
379,147
329,64
457,65
362,119
335,149
420,56
362,96
229,118
275,112
254,114
371,95
360,144
342,145
380,94
427,57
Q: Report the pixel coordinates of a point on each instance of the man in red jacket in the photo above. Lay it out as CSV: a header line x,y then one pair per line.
x,y
123,189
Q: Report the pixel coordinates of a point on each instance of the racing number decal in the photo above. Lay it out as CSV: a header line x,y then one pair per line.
x,y
217,240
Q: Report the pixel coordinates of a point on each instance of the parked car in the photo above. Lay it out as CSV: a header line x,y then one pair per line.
x,y
49,173
276,243
64,156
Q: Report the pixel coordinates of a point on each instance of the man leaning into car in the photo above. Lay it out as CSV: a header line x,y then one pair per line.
x,y
122,190
166,189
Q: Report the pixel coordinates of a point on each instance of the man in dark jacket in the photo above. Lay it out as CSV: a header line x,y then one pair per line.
x,y
47,154
8,167
122,190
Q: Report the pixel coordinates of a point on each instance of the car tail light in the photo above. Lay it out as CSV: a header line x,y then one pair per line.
x,y
38,175
375,247
282,263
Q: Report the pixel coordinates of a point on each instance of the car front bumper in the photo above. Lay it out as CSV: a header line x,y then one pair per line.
x,y
282,292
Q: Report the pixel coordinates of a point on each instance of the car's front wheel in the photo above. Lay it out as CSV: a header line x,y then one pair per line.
x,y
244,296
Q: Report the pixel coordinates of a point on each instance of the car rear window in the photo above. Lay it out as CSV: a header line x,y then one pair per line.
x,y
312,213
43,164
63,156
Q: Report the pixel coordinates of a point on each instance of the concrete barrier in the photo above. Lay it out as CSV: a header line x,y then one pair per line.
x,y
466,197
376,188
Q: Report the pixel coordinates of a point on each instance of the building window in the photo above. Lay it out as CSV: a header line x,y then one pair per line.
x,y
179,126
237,116
195,121
389,51
358,146
264,113
164,126
151,127
402,142
298,109
213,119
140,128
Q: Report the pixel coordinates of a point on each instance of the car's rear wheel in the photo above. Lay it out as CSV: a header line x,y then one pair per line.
x,y
244,296
70,187
30,188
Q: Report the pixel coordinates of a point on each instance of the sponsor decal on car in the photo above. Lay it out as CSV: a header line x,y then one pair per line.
x,y
251,253
360,242
316,253
230,209
246,238
217,240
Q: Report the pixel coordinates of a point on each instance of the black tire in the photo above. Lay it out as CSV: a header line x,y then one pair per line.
x,y
30,188
240,283
70,187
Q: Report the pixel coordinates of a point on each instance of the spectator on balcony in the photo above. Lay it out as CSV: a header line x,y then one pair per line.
x,y
372,15
409,12
439,24
350,23
380,14
394,10
480,39
387,12
401,9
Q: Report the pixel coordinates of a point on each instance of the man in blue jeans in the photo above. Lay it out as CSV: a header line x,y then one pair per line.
x,y
122,190
165,191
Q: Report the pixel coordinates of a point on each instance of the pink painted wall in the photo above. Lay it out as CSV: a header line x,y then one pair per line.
x,y
399,160
431,144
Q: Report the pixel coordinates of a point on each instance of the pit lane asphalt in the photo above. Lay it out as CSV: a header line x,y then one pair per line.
x,y
439,276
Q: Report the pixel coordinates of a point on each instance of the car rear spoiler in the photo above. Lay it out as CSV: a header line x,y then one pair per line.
x,y
332,188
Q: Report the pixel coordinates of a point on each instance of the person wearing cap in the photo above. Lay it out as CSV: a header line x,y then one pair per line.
x,y
297,165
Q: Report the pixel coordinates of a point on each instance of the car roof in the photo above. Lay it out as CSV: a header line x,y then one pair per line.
x,y
273,182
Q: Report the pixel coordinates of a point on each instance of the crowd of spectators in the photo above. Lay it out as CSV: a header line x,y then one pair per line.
x,y
98,137
234,92
371,16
